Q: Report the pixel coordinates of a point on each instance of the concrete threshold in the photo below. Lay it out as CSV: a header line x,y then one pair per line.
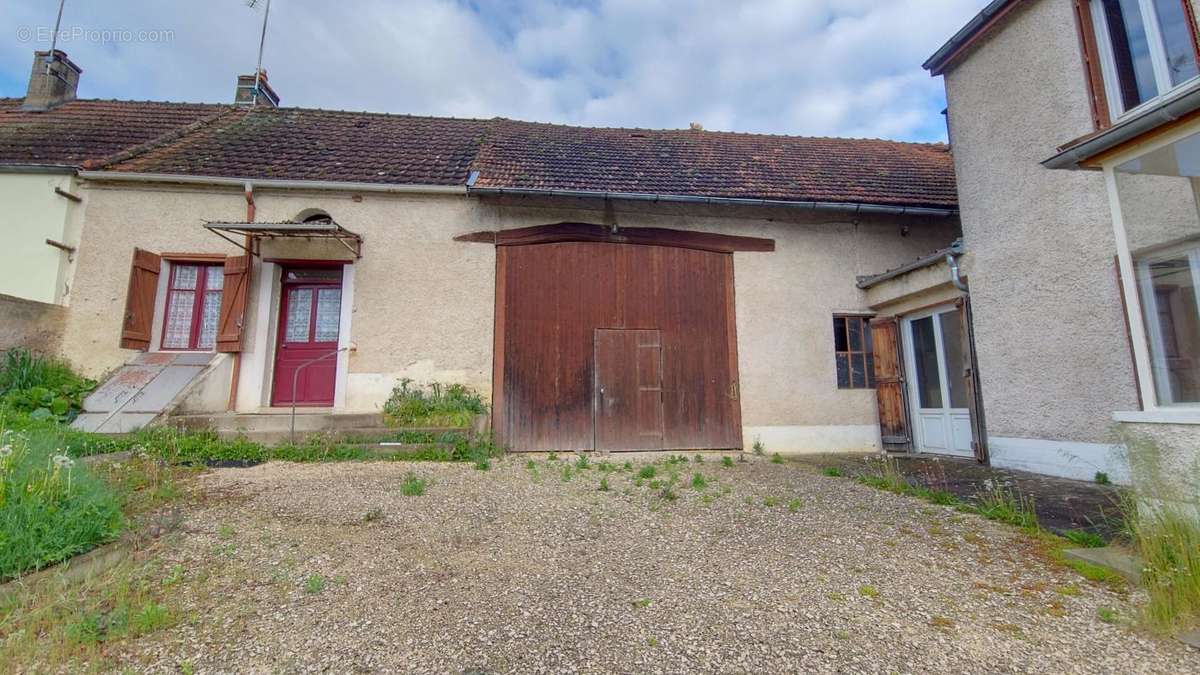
x,y
1110,558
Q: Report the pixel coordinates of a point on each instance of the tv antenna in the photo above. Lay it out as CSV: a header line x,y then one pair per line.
x,y
54,37
262,40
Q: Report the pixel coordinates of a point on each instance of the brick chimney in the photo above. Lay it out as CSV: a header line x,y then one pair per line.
x,y
245,91
52,81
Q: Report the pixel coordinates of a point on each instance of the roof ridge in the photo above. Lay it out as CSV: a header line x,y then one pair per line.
x,y
172,136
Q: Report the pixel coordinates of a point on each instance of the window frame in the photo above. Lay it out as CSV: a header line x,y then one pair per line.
x,y
866,351
200,293
1098,49
1155,339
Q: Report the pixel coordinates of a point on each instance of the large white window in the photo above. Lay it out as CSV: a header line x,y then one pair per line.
x,y
1146,49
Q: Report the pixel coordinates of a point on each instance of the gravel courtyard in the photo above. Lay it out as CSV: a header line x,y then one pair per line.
x,y
768,568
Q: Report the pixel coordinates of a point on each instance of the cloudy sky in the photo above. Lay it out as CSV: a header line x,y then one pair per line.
x,y
811,67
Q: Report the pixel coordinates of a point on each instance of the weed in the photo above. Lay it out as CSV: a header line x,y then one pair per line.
x,y
832,471
531,465
647,471
627,466
795,505
656,484
1107,614
868,592
842,634
412,486
836,597
149,618
1102,478
1069,590
941,623
566,473
652,642
675,460
759,448
225,533
582,463
777,458
604,484
708,498
187,668
641,603
771,501
435,405
668,494
174,575
552,457
315,583
699,482
699,459
1007,506
727,462
606,467
483,464
1084,538
373,514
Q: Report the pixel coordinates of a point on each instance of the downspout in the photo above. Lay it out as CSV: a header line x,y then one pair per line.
x,y
955,278
237,356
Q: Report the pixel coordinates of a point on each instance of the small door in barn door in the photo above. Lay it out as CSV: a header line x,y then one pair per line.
x,y
628,396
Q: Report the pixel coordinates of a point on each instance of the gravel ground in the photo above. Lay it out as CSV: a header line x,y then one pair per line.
x,y
513,570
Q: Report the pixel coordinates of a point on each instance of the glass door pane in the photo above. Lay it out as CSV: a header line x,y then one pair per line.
x,y
299,315
924,345
329,311
952,346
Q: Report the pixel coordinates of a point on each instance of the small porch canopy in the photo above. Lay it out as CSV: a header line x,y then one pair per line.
x,y
254,233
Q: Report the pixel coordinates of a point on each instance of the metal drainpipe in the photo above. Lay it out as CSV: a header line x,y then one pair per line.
x,y
955,279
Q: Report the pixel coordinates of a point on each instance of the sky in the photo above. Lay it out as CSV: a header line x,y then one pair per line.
x,y
804,67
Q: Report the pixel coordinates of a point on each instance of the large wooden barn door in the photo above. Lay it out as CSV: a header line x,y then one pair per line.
x,y
551,299
629,393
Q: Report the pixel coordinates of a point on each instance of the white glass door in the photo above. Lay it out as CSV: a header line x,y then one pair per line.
x,y
937,386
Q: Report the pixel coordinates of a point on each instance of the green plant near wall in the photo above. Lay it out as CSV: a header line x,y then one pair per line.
x,y
433,405
45,388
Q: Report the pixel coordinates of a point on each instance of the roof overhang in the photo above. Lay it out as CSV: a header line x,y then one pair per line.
x,y
19,167
954,249
269,183
975,29
253,233
1179,107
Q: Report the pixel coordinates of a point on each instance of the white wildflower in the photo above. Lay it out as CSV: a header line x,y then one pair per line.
x,y
63,462
6,451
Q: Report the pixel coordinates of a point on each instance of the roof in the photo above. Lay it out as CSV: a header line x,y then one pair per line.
x,y
320,145
526,155
82,130
927,260
304,144
976,28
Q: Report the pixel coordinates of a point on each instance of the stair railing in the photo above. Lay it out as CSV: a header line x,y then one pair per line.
x,y
295,379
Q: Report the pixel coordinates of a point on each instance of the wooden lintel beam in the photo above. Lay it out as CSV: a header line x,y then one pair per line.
x,y
653,236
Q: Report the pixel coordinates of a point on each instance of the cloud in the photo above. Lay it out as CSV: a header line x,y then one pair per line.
x,y
827,67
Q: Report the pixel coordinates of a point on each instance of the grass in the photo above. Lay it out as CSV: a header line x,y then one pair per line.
x,y
832,471
1107,614
434,405
412,486
1102,478
795,505
777,458
71,625
868,592
727,462
46,388
699,482
603,484
1007,506
1084,539
314,583
647,472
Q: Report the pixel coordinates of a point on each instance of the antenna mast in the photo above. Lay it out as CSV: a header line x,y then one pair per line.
x,y
262,40
54,38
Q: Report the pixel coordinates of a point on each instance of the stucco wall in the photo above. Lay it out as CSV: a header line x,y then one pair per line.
x,y
1053,354
33,213
34,325
423,304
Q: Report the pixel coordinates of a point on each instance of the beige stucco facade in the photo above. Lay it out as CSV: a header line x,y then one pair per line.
x,y
420,305
33,212
1050,334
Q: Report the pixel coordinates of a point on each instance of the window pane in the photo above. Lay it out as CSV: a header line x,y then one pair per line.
x,y
929,388
870,370
209,315
329,310
839,335
843,371
178,331
858,371
952,345
214,278
1131,51
1177,40
298,314
1171,316
185,276
855,329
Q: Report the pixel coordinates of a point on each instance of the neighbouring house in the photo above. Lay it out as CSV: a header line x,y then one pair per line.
x,y
608,289
1075,127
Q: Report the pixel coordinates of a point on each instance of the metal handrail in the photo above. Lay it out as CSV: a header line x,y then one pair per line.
x,y
295,379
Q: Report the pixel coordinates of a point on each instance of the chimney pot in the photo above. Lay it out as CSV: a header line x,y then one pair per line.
x,y
245,91
53,81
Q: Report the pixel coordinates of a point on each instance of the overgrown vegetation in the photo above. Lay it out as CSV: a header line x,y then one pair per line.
x,y
45,388
51,507
433,405
412,486
1163,519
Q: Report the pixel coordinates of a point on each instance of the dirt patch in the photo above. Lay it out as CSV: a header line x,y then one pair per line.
x,y
765,568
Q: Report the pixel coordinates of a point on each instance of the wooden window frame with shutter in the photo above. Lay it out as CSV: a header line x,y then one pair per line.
x,y
864,351
1101,107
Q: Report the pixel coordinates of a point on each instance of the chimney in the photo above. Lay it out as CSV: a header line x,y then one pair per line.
x,y
245,91
52,82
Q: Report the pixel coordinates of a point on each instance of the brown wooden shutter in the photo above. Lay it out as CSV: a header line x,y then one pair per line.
x,y
971,374
1091,65
889,384
139,300
233,304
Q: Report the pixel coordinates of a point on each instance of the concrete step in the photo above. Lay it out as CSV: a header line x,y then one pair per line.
x,y
272,421
1110,558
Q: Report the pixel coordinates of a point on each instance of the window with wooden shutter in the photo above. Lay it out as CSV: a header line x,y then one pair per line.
x,y
230,324
852,353
139,300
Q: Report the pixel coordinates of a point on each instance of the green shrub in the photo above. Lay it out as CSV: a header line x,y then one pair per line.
x,y
45,388
438,405
51,507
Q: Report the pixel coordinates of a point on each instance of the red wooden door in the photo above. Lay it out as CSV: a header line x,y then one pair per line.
x,y
309,317
629,390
